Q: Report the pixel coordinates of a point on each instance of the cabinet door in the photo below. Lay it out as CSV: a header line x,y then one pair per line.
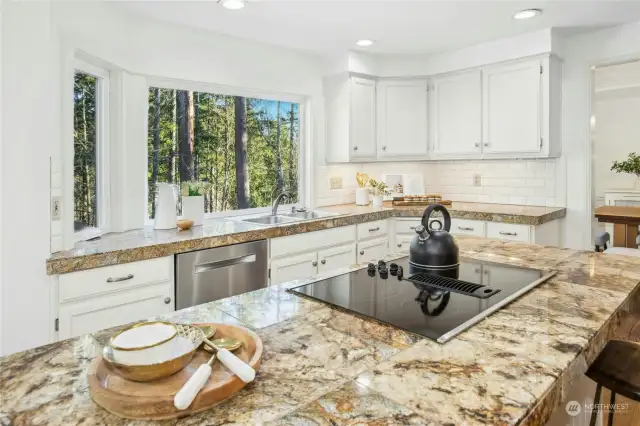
x,y
336,258
105,311
403,242
373,250
294,268
402,118
363,118
512,99
457,113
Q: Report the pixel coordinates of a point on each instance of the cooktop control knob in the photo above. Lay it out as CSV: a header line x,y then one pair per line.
x,y
384,273
393,268
382,264
399,272
371,267
371,272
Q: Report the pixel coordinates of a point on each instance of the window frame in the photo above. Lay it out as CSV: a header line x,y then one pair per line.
x,y
302,101
102,153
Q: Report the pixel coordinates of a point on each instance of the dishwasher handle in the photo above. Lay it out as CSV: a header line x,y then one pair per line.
x,y
210,266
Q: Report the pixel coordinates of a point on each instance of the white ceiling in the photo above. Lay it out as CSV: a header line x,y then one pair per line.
x,y
398,26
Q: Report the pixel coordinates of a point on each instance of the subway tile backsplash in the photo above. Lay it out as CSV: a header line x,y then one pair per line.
x,y
526,182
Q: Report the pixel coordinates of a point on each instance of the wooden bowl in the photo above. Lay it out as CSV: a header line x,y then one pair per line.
x,y
184,224
154,400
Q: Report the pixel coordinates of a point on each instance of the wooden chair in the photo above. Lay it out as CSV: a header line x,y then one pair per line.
x,y
617,368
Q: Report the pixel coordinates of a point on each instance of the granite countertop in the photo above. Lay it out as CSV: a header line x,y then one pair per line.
x,y
323,366
147,243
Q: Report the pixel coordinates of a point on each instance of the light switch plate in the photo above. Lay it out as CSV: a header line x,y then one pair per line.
x,y
477,179
336,182
56,204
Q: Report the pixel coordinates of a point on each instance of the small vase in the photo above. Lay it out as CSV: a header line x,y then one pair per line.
x,y
362,196
377,200
193,208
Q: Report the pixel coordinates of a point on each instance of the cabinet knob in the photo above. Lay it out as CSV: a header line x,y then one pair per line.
x,y
315,263
167,300
361,252
323,261
355,148
486,144
400,245
477,144
384,148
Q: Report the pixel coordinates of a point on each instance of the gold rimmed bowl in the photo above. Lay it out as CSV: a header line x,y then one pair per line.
x,y
154,357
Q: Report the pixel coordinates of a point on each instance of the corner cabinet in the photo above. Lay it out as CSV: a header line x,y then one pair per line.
x,y
363,118
456,114
402,118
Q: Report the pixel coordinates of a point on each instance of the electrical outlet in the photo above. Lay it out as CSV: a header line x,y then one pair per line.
x,y
336,182
56,204
477,179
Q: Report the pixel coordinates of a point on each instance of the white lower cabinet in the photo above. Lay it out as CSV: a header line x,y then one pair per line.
x,y
403,242
100,298
373,250
294,267
110,310
336,258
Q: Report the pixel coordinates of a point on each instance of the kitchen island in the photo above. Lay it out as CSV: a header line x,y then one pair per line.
x,y
324,366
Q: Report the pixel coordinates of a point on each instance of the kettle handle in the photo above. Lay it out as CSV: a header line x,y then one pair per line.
x,y
438,208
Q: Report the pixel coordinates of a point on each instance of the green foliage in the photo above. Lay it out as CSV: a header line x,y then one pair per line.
x,y
631,165
194,188
84,150
214,147
378,187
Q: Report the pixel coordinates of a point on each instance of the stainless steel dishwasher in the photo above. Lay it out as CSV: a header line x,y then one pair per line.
x,y
207,275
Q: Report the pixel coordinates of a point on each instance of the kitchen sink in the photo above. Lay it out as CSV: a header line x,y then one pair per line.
x,y
271,220
308,215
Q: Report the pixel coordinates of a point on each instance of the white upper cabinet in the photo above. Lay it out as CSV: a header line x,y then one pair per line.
x,y
402,118
363,118
512,96
456,114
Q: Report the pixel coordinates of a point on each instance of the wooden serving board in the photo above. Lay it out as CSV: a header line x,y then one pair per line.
x,y
154,400
420,203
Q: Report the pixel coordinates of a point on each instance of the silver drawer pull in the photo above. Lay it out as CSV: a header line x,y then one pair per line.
x,y
323,262
315,263
512,234
465,228
400,245
361,252
204,267
374,229
167,300
116,280
413,228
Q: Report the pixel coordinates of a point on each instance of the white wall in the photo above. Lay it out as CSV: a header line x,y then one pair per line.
x,y
36,38
580,52
29,133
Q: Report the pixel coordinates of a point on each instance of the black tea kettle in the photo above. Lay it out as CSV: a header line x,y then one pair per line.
x,y
434,248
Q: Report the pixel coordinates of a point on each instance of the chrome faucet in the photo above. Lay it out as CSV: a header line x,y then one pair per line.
x,y
277,202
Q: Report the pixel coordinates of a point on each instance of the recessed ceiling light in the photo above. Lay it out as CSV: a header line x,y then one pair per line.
x,y
527,14
233,4
364,43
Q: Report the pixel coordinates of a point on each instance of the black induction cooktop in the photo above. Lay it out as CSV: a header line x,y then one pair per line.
x,y
438,311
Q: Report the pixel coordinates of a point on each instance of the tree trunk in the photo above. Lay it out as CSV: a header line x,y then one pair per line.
x,y
241,137
85,174
292,178
185,134
156,147
171,166
227,159
196,134
279,177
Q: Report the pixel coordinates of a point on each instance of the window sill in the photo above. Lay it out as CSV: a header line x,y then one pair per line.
x,y
86,234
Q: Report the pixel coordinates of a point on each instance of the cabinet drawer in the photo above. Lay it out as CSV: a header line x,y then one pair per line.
x,y
111,279
509,231
111,310
407,226
373,250
312,240
468,227
372,229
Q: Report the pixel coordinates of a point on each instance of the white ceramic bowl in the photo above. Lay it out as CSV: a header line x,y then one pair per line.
x,y
148,343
